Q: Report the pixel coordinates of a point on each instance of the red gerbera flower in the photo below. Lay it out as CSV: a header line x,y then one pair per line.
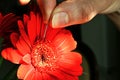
x,y
43,57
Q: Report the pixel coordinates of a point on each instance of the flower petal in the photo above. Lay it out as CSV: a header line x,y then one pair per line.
x,y
70,63
51,33
8,24
43,28
25,19
24,70
1,17
36,76
33,75
27,59
9,21
22,46
14,38
38,22
12,55
48,77
31,27
64,41
59,75
23,33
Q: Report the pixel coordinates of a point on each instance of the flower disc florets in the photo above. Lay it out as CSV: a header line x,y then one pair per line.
x,y
44,56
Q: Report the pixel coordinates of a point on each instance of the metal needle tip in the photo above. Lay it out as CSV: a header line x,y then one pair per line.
x,y
45,31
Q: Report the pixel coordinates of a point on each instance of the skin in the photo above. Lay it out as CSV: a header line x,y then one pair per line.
x,y
70,12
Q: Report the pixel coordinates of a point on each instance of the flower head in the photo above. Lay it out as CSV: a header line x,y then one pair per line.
x,y
48,57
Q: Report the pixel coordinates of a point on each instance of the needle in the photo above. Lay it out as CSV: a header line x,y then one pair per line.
x,y
45,31
46,25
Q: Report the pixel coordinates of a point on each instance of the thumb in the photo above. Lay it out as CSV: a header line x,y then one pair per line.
x,y
72,12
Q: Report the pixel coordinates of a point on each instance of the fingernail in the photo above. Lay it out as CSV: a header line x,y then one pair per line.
x,y
60,20
24,2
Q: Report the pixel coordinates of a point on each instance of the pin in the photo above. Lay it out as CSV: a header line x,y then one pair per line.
x,y
45,31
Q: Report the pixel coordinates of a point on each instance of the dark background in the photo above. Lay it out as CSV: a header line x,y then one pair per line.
x,y
98,42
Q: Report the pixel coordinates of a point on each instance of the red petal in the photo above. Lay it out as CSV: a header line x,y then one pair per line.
x,y
51,33
14,38
24,70
9,21
1,17
70,63
64,41
23,33
32,75
26,19
59,75
37,76
8,24
12,55
48,77
39,22
27,59
32,27
22,46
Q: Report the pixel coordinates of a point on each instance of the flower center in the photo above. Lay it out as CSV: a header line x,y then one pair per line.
x,y
43,56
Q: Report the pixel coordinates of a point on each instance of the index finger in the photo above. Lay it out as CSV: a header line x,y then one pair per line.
x,y
46,7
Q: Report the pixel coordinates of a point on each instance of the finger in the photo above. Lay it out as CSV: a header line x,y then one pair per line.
x,y
72,12
46,7
24,2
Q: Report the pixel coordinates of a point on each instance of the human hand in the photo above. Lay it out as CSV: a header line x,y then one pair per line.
x,y
71,12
